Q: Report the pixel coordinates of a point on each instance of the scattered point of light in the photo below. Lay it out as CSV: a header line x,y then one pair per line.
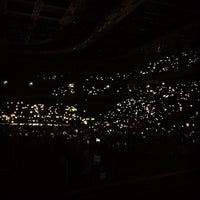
x,y
64,133
88,141
147,86
5,83
30,84
98,140
107,87
71,85
152,103
76,130
85,122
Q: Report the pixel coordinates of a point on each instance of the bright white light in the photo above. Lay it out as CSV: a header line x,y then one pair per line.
x,y
30,84
85,122
98,140
187,124
107,87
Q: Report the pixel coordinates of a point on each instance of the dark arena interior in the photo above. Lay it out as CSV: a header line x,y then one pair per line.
x,y
100,99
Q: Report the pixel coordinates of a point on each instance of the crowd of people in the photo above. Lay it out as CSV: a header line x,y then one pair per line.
x,y
163,108
112,126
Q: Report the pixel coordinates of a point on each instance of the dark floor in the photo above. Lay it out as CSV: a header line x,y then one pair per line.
x,y
45,172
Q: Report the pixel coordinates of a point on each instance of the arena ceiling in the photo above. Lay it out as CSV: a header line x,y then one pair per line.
x,y
75,34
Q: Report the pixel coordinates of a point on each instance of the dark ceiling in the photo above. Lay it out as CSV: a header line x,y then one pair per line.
x,y
87,34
